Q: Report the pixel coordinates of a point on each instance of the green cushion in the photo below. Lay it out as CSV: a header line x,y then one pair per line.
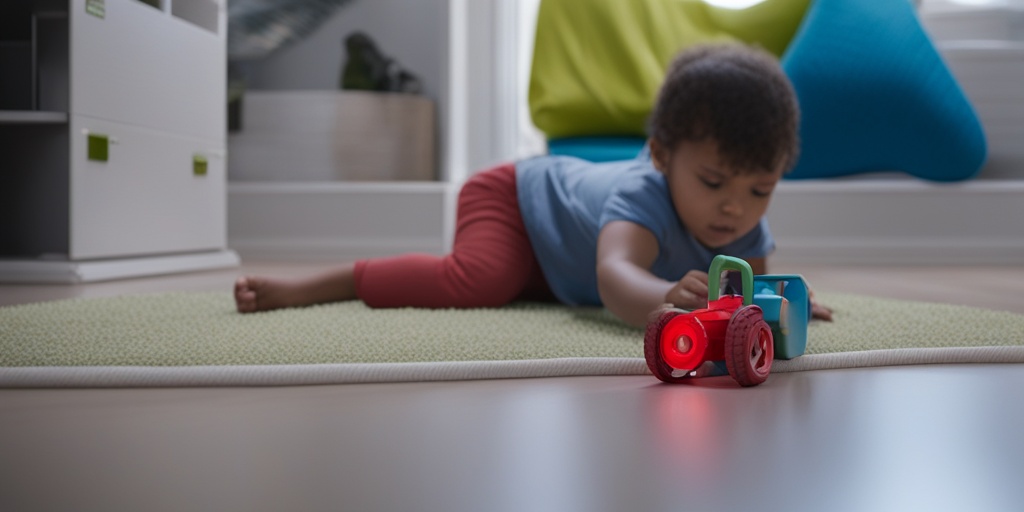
x,y
598,64
770,24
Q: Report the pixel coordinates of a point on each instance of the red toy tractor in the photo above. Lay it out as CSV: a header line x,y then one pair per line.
x,y
732,328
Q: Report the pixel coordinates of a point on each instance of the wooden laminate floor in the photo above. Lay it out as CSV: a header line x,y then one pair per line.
x,y
905,438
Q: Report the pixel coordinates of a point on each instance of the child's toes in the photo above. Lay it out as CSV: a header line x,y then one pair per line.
x,y
245,296
246,301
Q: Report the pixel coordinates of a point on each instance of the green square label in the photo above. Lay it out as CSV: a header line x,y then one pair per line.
x,y
199,165
97,8
99,147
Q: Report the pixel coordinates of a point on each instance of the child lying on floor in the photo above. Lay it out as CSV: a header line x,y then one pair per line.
x,y
629,235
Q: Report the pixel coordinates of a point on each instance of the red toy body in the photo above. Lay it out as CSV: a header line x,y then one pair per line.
x,y
732,329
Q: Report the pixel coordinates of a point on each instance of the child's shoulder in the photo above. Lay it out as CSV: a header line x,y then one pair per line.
x,y
572,164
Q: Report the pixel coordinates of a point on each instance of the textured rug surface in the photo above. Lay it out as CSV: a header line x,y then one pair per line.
x,y
198,339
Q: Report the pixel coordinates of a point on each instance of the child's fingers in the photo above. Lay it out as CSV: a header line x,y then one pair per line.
x,y
697,275
821,312
690,292
694,284
699,292
682,298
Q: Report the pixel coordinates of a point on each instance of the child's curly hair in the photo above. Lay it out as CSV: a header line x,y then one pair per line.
x,y
736,95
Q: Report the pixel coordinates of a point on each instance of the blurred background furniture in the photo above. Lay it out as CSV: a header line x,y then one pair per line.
x,y
113,139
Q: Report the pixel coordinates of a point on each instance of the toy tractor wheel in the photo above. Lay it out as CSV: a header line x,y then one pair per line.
x,y
674,341
749,346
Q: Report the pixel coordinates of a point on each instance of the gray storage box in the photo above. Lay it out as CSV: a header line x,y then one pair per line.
x,y
333,136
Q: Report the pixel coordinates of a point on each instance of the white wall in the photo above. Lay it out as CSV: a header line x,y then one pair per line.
x,y
414,32
420,35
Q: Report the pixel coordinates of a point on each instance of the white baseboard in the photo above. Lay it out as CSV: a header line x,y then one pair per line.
x,y
319,249
337,221
900,251
40,271
899,222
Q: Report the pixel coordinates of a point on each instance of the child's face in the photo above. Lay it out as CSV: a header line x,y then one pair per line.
x,y
716,204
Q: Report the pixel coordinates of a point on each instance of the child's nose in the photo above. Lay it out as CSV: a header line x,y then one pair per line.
x,y
732,207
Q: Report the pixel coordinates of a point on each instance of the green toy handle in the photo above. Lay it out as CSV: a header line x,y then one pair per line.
x,y
722,262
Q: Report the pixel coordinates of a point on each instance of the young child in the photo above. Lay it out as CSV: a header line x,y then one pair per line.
x,y
629,235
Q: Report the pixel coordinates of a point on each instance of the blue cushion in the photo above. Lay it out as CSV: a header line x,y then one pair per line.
x,y
598,149
875,96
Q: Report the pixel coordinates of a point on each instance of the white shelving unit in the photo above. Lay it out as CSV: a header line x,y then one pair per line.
x,y
113,139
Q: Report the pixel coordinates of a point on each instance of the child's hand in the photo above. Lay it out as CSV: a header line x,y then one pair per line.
x,y
691,292
818,310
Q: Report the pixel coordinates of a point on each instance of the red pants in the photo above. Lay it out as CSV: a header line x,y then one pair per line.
x,y
491,263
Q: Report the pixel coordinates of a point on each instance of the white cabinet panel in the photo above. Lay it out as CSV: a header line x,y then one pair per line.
x,y
144,66
146,198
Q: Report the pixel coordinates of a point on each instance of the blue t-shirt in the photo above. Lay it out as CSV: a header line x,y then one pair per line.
x,y
565,201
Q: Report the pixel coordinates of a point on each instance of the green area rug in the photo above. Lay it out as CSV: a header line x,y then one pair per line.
x,y
197,339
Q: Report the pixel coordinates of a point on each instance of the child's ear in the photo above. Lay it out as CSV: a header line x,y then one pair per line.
x,y
659,156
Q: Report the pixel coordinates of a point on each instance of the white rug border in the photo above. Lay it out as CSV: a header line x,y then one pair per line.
x,y
354,373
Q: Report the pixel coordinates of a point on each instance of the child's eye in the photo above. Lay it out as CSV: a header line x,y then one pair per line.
x,y
761,193
710,184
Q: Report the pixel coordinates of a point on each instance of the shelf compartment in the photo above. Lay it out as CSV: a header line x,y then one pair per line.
x,y
32,117
34,56
156,4
201,13
16,70
51,58
34,190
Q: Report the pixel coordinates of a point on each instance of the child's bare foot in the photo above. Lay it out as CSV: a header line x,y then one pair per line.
x,y
262,294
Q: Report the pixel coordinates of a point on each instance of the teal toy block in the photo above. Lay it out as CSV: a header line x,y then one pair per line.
x,y
785,301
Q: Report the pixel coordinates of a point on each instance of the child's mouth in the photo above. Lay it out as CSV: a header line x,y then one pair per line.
x,y
722,230
717,236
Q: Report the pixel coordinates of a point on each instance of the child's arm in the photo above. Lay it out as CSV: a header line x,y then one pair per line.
x,y
625,252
